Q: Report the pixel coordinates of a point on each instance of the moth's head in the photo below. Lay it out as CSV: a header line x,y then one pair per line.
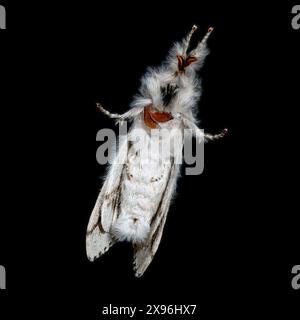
x,y
183,60
174,83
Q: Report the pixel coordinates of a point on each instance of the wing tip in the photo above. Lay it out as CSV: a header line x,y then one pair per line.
x,y
97,243
91,258
138,274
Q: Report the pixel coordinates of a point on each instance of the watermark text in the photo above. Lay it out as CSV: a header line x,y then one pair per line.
x,y
296,17
296,278
2,278
160,147
2,17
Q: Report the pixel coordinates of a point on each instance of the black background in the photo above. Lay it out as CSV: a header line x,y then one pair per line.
x,y
231,236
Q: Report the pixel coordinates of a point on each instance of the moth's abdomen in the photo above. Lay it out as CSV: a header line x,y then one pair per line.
x,y
143,183
131,228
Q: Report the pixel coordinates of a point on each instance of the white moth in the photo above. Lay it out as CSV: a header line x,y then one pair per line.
x,y
135,197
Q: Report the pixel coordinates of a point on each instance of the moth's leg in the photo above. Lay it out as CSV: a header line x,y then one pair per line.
x,y
188,39
109,114
200,135
197,51
133,112
212,137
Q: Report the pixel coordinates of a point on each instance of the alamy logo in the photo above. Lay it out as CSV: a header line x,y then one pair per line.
x,y
2,278
2,17
296,18
296,278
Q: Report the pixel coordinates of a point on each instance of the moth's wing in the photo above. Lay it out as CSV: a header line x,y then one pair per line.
x,y
98,238
98,241
143,255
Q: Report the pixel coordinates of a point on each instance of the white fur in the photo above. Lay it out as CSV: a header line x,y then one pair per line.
x,y
135,198
132,229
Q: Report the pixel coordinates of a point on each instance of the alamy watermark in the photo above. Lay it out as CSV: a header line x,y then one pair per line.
x,y
174,146
2,17
2,278
296,18
296,279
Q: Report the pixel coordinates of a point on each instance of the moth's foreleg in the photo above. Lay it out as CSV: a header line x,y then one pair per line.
x,y
199,134
188,39
109,114
211,137
133,112
197,52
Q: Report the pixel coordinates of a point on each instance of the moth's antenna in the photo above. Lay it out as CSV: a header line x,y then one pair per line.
x,y
188,39
201,44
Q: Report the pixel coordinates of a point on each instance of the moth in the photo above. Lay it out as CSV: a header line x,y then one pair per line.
x,y
136,195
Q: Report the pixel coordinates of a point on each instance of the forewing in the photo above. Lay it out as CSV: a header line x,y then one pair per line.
x,y
98,238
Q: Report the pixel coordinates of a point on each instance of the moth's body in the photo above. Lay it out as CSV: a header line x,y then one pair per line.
x,y
144,179
135,198
142,187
